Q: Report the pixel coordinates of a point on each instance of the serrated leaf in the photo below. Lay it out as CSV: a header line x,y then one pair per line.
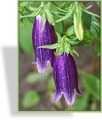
x,y
91,83
52,46
30,99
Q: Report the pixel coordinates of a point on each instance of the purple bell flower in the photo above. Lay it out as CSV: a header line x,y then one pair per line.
x,y
42,36
65,78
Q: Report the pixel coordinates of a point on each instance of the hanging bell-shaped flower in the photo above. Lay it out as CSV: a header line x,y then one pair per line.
x,y
42,36
65,77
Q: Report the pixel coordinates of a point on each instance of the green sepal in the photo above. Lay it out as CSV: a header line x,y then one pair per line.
x,y
44,18
58,37
52,46
67,47
59,51
48,14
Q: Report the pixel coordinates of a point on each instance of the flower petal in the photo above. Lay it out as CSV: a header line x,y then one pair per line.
x,y
42,37
73,73
65,77
70,98
57,96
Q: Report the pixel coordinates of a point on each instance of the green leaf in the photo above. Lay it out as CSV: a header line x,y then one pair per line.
x,y
65,4
34,77
54,3
91,83
93,14
86,20
52,46
70,31
25,39
51,84
64,18
59,28
73,41
98,3
48,5
95,27
33,14
30,99
82,102
97,50
88,38
23,3
68,14
61,10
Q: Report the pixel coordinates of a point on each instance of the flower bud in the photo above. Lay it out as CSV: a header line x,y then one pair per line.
x,y
78,28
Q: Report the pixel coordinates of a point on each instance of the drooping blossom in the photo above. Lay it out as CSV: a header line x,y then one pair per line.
x,y
65,78
42,36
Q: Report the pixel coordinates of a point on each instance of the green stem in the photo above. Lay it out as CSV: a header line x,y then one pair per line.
x,y
54,4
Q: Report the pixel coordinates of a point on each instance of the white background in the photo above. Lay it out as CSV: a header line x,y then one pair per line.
x,y
8,72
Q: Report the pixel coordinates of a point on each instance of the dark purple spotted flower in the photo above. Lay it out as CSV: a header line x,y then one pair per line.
x,y
42,36
65,77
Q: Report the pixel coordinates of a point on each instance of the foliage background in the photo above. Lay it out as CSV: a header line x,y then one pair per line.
x,y
36,91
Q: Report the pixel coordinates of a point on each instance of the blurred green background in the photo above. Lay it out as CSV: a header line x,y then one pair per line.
x,y
36,91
